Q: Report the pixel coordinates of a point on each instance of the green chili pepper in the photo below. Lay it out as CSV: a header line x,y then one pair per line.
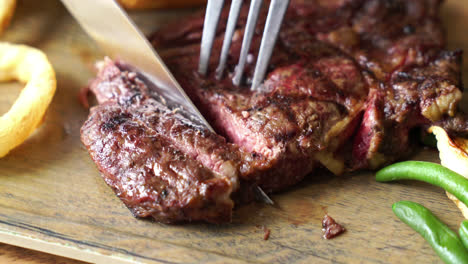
x,y
463,232
428,172
444,241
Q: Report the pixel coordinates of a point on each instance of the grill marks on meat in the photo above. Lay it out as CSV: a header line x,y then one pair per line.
x,y
157,162
397,48
149,173
416,97
348,82
402,44
307,108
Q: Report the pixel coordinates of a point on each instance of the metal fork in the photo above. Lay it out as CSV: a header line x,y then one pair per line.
x,y
276,13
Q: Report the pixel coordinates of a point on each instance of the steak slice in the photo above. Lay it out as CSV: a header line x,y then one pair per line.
x,y
412,98
396,47
306,109
417,82
158,163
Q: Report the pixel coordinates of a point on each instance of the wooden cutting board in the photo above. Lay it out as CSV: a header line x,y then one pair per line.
x,y
53,199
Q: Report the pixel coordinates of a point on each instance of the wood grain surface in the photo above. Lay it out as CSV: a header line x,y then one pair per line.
x,y
53,199
18,255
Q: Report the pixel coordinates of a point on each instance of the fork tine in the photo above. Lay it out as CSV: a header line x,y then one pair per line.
x,y
254,11
231,26
213,12
276,13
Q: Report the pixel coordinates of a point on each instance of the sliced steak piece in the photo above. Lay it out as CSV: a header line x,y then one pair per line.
x,y
417,82
115,84
306,109
397,45
416,97
158,163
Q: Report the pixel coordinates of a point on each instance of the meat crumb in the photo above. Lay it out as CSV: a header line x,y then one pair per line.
x,y
331,228
266,234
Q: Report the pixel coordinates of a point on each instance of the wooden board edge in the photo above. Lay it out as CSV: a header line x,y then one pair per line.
x,y
59,249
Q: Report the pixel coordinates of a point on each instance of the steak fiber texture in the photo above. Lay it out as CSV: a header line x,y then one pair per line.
x,y
349,84
158,163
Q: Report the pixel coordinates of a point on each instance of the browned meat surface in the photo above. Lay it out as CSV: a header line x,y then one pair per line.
x,y
331,228
157,162
412,98
294,123
389,52
348,82
308,107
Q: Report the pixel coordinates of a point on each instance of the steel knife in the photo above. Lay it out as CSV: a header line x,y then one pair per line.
x,y
119,38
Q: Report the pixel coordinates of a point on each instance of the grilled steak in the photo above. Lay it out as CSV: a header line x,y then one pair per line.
x,y
348,82
158,163
393,51
305,111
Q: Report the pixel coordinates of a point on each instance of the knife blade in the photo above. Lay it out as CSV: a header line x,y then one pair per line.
x,y
116,34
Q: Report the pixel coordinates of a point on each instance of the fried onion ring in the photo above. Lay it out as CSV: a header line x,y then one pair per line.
x,y
7,9
31,66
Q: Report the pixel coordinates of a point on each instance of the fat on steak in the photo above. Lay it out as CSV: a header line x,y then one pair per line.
x,y
349,83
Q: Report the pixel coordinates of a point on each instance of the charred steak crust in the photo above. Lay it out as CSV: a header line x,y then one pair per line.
x,y
158,162
392,51
348,82
124,148
307,108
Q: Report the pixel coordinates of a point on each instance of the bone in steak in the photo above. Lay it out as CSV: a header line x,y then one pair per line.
x,y
348,82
